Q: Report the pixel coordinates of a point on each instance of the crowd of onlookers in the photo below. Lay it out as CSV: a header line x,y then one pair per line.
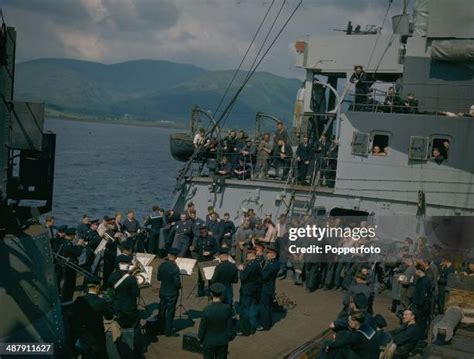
x,y
239,156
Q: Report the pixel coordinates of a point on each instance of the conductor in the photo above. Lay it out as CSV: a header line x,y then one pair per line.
x,y
215,325
226,273
168,275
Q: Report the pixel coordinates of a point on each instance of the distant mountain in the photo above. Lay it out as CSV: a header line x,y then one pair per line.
x,y
149,90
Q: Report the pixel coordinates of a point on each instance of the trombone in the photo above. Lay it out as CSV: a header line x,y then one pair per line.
x,y
71,265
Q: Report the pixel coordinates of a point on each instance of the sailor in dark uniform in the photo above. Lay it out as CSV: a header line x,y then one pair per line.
x,y
215,325
362,85
72,252
447,270
126,292
156,221
92,240
83,227
360,342
421,300
269,274
251,285
168,275
184,234
215,227
304,155
90,311
205,247
406,337
226,273
110,252
92,237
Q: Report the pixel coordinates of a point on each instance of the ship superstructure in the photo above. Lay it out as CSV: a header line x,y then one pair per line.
x,y
428,55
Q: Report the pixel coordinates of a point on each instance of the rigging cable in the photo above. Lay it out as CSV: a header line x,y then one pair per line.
x,y
236,95
378,35
187,166
243,58
258,54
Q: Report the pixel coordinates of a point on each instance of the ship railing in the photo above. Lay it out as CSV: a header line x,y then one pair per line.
x,y
375,98
322,169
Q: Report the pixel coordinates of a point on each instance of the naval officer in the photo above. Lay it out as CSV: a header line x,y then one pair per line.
x,y
205,247
126,292
269,275
168,275
72,252
215,325
226,273
251,285
90,311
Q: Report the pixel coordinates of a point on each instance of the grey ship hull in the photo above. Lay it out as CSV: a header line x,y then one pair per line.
x,y
30,310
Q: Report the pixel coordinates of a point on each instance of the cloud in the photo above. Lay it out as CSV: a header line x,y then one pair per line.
x,y
209,33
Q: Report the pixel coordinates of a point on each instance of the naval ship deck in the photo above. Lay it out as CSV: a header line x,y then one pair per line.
x,y
311,316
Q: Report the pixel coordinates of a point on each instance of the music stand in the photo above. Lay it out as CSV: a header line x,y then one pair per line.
x,y
180,307
186,266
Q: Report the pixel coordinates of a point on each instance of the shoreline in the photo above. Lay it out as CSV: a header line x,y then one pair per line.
x,y
140,123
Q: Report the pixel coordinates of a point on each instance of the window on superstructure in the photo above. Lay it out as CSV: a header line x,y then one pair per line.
x,y
440,148
380,145
418,148
360,143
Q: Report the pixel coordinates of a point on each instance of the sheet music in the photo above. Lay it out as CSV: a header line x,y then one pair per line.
x,y
209,272
186,265
145,258
207,268
100,248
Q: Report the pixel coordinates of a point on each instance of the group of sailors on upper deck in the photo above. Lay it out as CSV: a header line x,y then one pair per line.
x,y
269,156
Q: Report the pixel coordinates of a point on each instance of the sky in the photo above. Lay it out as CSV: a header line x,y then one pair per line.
x,y
213,34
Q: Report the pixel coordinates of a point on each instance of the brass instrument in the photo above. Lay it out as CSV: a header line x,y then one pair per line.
x,y
139,272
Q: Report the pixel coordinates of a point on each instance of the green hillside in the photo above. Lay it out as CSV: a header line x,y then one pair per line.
x,y
148,90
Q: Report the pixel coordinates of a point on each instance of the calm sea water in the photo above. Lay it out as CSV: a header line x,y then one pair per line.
x,y
104,168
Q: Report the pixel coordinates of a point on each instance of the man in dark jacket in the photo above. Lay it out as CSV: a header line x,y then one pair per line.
x,y
215,227
168,275
251,285
90,311
360,341
422,296
215,325
72,252
126,292
205,247
155,221
362,85
226,273
228,229
446,272
184,234
304,155
83,227
282,155
406,337
269,275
